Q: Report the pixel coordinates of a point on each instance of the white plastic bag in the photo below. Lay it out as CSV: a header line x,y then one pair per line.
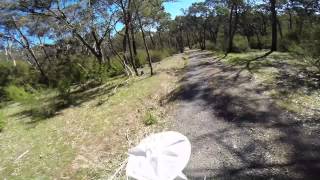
x,y
160,156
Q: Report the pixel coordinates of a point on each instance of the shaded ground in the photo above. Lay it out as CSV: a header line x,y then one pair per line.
x,y
236,129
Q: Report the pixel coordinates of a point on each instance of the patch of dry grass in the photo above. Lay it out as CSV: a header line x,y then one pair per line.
x,y
289,79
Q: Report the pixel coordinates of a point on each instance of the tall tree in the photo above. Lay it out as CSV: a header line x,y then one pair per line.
x,y
274,24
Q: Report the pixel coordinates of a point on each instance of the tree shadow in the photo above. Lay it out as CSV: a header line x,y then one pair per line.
x,y
47,108
258,139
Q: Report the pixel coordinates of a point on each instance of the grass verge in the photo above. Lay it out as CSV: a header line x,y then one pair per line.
x,y
87,140
292,82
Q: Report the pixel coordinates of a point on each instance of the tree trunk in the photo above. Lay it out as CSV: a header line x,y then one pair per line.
x,y
145,44
152,41
188,41
133,41
160,39
204,37
132,61
290,20
45,78
274,25
259,41
180,41
280,28
230,39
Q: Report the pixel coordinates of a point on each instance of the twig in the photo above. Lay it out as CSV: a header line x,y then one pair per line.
x,y
118,170
120,84
127,137
23,154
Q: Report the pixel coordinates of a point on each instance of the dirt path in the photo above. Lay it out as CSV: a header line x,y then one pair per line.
x,y
236,131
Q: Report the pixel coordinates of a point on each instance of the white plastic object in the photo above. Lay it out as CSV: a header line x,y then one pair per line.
x,y
160,156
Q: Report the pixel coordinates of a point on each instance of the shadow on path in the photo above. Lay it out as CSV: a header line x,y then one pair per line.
x,y
237,131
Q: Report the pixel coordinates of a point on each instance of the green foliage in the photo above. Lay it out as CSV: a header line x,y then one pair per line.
x,y
155,55
149,119
39,111
2,123
240,44
20,75
313,61
142,56
64,89
5,71
18,94
210,46
290,43
265,42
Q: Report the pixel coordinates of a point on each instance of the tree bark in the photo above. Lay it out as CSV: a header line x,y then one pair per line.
x,y
152,41
160,39
145,44
274,25
280,28
230,39
26,45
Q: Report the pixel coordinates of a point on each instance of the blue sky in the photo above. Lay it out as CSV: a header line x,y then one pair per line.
x,y
174,8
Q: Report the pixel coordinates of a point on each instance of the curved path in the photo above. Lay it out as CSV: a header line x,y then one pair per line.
x,y
236,130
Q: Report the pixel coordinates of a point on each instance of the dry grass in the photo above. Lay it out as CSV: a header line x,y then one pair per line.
x,y
90,140
289,79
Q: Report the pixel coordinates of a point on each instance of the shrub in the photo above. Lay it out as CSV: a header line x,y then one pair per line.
x,y
2,123
314,62
64,89
240,44
149,119
210,45
39,111
5,72
286,45
18,94
155,55
142,57
116,66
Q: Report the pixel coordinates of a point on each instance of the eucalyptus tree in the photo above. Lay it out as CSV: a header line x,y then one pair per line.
x,y
89,21
234,7
201,13
15,27
126,9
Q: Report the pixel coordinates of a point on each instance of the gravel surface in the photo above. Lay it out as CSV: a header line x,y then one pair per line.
x,y
236,130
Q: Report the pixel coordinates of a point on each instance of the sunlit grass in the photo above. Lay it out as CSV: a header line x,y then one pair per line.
x,y
87,140
266,71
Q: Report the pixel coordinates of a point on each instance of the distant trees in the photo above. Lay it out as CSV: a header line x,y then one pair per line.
x,y
236,25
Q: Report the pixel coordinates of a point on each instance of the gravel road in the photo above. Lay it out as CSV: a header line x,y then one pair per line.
x,y
235,128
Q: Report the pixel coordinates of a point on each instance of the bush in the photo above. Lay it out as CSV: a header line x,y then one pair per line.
x,y
18,94
150,119
142,57
158,55
64,89
39,111
210,46
155,55
314,62
286,45
240,44
2,123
